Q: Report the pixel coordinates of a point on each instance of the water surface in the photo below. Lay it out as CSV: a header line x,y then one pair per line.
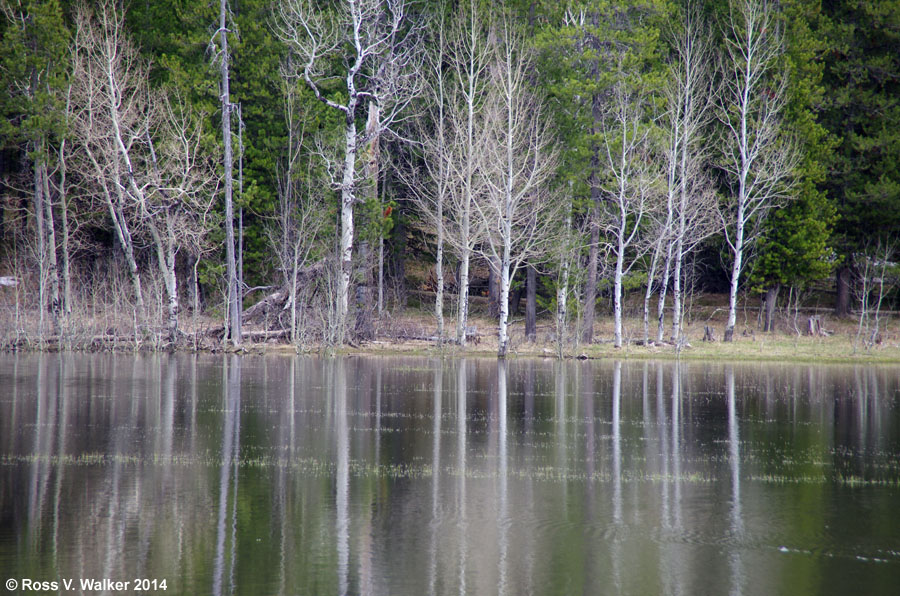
x,y
278,475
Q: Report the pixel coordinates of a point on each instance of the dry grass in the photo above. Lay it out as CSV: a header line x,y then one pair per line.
x,y
784,344
109,324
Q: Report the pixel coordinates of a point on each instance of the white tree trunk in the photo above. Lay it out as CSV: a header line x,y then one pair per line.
x,y
648,293
234,303
503,328
676,296
165,257
663,288
123,234
52,262
738,250
617,292
64,217
39,200
439,271
171,280
295,264
346,255
562,292
462,315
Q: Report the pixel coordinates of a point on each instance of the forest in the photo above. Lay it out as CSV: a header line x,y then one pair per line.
x,y
301,168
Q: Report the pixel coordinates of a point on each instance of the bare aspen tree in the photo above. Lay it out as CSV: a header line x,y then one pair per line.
x,y
375,57
46,239
630,187
181,183
470,60
431,189
877,269
62,190
454,147
660,236
439,173
515,213
690,99
757,158
301,214
143,149
697,218
104,105
689,206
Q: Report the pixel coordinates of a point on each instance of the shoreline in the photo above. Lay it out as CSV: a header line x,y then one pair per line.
x,y
774,348
413,333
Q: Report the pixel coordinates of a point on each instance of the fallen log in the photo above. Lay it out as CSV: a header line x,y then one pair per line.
x,y
270,302
279,300
264,335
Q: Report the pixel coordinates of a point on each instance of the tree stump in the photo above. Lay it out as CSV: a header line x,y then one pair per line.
x,y
814,326
708,333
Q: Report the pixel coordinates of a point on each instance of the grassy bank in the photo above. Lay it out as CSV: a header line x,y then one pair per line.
x,y
772,347
840,345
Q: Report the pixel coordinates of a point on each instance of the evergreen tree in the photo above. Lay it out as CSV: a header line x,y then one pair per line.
x,y
584,44
175,35
795,247
34,67
862,78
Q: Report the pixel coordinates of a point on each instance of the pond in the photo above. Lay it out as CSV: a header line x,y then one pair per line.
x,y
365,475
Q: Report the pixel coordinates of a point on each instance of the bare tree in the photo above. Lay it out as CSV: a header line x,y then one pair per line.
x,y
143,149
697,218
302,213
110,112
690,98
231,271
629,189
757,159
516,213
375,58
470,59
176,202
660,234
877,269
62,190
432,189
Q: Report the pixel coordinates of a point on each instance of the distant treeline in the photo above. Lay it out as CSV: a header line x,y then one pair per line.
x,y
299,153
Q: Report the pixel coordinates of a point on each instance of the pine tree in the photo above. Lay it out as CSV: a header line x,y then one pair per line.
x,y
862,78
583,46
795,247
34,68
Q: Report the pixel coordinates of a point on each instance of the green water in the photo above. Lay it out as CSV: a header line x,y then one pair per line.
x,y
277,475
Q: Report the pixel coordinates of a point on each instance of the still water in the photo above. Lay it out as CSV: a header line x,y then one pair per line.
x,y
278,475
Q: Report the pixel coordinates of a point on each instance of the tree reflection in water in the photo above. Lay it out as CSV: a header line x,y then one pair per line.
x,y
239,474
